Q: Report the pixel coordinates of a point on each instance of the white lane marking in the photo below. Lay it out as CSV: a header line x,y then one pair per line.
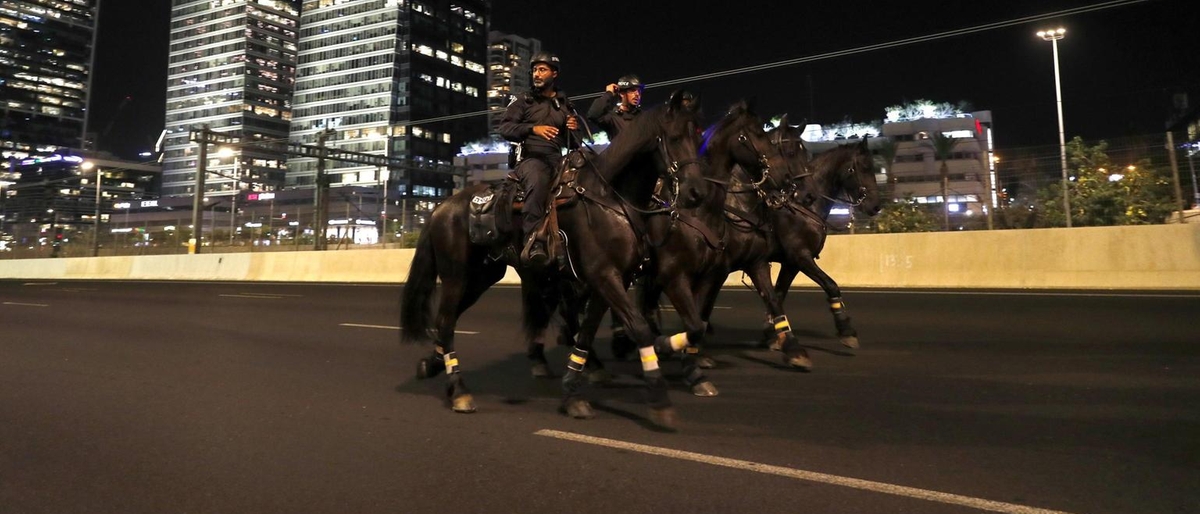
x,y
715,307
276,295
1182,296
256,296
854,483
387,327
26,304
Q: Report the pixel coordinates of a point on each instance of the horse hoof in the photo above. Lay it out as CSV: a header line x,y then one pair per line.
x,y
776,345
600,376
579,409
665,417
850,342
541,370
464,404
426,368
705,362
705,389
799,361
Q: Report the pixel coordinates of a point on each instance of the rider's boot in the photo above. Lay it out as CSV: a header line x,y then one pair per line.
x,y
535,253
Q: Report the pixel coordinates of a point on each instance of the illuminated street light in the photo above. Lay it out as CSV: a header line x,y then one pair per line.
x,y
1053,36
86,166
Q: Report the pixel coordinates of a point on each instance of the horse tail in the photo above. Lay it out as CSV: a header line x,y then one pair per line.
x,y
417,298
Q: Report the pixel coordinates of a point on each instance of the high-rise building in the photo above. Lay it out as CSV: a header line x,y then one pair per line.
x,y
231,68
45,64
508,72
391,77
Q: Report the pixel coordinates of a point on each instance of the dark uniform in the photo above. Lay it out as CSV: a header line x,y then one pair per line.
x,y
538,156
605,113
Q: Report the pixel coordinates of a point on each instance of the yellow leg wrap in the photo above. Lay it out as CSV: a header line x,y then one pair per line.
x,y
679,341
782,325
649,358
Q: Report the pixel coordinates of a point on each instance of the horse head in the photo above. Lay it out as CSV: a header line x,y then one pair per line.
x,y
679,148
663,138
787,141
847,175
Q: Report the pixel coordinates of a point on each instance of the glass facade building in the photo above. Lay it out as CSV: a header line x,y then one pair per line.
x,y
404,78
231,67
508,72
45,62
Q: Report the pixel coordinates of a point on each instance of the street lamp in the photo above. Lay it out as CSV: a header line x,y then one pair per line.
x,y
1053,36
85,166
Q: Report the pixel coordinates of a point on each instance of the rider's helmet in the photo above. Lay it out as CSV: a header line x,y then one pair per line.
x,y
628,82
546,58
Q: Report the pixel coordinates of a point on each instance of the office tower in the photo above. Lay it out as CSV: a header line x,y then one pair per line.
x,y
231,68
391,77
508,72
45,65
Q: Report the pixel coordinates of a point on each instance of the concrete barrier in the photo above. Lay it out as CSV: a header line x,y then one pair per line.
x,y
1158,257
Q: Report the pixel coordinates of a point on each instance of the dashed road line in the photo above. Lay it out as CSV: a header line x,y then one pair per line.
x,y
388,327
799,474
18,304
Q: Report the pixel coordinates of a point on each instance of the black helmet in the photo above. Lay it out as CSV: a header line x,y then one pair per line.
x,y
546,58
628,82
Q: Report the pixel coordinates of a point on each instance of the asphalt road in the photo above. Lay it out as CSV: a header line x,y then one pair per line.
x,y
298,398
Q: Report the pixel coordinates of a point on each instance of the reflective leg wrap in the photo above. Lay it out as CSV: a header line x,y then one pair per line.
x,y
781,325
837,306
578,360
679,341
649,361
451,361
692,350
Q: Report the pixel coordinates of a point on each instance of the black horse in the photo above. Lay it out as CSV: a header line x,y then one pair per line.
x,y
845,175
776,209
697,248
603,245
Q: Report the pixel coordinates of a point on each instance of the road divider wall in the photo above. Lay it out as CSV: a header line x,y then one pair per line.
x,y
1159,257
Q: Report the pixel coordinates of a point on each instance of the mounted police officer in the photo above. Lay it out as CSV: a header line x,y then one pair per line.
x,y
541,122
616,108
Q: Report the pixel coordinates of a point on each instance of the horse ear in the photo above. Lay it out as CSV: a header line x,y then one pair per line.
x,y
862,144
783,120
751,104
675,103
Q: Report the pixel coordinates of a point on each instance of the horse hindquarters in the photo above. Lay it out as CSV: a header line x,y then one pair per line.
x,y
465,271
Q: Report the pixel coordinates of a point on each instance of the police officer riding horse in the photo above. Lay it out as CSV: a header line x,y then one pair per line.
x,y
541,122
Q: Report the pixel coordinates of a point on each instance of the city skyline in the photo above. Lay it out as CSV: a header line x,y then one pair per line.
x,y
1116,82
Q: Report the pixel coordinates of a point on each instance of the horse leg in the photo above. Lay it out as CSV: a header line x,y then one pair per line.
x,y
539,301
783,338
610,288
448,311
846,333
488,274
688,342
581,360
594,310
787,274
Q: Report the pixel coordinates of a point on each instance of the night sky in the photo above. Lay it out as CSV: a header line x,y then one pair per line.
x,y
1120,66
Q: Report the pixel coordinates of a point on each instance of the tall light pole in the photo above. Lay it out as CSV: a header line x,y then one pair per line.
x,y
1053,36
88,165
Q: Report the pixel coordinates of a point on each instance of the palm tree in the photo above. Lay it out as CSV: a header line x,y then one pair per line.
x,y
943,147
887,153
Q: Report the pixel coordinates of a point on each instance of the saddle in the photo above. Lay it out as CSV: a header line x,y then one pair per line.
x,y
489,225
